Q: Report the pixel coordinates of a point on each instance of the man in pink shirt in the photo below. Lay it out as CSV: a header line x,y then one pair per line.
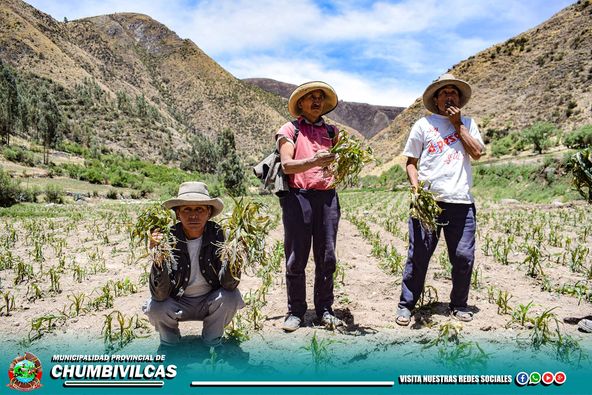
x,y
310,210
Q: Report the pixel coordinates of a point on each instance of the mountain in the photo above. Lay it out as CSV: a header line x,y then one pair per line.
x,y
367,119
544,74
130,83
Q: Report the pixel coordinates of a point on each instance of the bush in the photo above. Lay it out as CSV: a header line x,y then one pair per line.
x,y
74,148
579,138
20,155
510,144
29,195
54,170
92,175
10,190
112,194
54,194
501,146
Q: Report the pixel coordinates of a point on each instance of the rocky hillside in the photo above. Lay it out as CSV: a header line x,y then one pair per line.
x,y
367,119
132,58
544,74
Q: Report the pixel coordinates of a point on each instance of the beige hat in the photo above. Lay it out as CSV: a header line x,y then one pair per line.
x,y
299,92
195,193
446,79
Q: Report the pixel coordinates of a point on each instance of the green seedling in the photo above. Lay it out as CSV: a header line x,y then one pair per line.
x,y
319,351
77,306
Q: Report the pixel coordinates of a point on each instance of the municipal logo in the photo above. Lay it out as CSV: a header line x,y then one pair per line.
x,y
25,373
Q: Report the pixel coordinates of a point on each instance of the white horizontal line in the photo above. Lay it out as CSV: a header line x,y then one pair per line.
x,y
113,383
292,383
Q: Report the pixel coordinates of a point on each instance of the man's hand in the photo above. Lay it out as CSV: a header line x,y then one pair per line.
x,y
155,238
453,114
323,158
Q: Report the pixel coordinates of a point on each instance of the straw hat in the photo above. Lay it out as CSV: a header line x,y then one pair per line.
x,y
195,193
446,79
330,97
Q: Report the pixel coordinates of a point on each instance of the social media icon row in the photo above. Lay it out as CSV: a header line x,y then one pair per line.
x,y
535,378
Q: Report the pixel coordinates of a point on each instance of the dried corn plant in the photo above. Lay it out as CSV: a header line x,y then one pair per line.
x,y
245,230
156,217
350,159
424,207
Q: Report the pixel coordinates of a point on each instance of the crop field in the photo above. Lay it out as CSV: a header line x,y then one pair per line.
x,y
70,273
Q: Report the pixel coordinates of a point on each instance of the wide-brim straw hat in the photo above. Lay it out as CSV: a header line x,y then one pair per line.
x,y
330,97
446,79
195,193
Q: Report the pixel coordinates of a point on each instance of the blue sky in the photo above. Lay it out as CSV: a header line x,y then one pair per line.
x,y
378,52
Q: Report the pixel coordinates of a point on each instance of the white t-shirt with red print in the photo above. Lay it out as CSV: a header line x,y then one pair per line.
x,y
443,160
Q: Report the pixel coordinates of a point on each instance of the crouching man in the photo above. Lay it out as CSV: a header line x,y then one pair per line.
x,y
199,286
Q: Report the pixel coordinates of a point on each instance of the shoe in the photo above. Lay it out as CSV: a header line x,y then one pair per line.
x,y
330,321
462,314
585,325
291,323
403,316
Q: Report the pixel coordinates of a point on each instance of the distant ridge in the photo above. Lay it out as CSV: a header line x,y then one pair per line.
x,y
367,119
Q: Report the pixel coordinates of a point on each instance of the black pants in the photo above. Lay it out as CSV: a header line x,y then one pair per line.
x,y
310,216
459,233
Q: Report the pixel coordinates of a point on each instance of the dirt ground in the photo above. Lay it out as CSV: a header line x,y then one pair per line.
x,y
95,238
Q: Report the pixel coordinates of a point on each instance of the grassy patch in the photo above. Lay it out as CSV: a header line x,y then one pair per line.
x,y
530,183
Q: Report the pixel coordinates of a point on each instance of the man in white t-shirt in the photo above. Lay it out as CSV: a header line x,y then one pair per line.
x,y
439,151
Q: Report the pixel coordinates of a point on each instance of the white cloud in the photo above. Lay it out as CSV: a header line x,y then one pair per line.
x,y
232,26
349,86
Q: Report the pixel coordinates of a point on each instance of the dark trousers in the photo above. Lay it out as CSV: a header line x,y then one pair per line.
x,y
459,233
310,216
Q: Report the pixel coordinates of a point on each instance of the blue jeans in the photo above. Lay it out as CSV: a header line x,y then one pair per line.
x,y
459,232
310,217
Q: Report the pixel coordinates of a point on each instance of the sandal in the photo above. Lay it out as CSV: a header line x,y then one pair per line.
x,y
462,314
403,316
585,325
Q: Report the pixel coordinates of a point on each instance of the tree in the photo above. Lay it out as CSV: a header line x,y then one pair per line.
x,y
123,102
539,135
141,106
230,168
49,122
203,156
9,103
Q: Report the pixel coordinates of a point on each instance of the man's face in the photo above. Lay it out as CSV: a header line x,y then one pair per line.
x,y
447,96
312,105
194,218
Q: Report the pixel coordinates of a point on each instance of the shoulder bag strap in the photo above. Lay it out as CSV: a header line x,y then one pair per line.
x,y
296,131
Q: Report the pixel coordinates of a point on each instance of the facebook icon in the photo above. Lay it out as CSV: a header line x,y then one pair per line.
x,y
522,378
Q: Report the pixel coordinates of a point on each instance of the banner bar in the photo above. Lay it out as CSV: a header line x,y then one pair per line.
x,y
292,383
110,383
